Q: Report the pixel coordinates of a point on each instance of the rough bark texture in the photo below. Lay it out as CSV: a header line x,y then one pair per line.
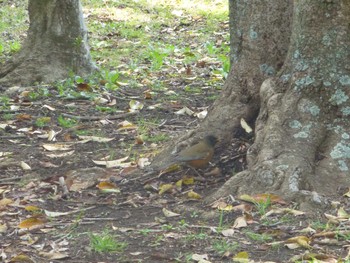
x,y
260,32
56,45
302,143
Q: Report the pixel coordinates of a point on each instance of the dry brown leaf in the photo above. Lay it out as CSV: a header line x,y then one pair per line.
x,y
23,117
108,187
240,222
32,222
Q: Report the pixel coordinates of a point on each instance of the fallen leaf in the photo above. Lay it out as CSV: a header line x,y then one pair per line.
x,y
114,163
32,222
22,258
168,213
5,202
95,139
3,229
135,105
165,188
60,155
228,232
49,107
57,147
241,257
32,208
201,115
108,187
25,166
23,117
200,257
301,241
55,214
240,222
53,255
188,180
125,125
245,126
185,111
193,195
143,162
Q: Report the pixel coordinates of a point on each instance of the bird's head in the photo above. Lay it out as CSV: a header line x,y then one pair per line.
x,y
211,140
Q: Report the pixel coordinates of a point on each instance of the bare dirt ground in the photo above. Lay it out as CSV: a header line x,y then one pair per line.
x,y
41,222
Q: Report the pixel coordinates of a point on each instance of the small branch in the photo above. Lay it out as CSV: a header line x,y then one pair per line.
x,y
97,118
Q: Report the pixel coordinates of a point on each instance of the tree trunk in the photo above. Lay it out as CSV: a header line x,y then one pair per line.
x,y
302,132
56,45
260,32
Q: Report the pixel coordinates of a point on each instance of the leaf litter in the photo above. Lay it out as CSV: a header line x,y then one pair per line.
x,y
66,155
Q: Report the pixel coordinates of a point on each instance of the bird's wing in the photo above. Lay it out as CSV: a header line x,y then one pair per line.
x,y
191,157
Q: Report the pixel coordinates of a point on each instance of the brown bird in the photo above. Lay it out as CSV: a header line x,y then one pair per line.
x,y
198,155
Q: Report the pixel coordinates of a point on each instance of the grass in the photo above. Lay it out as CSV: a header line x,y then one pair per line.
x,y
66,122
262,238
222,246
106,242
263,206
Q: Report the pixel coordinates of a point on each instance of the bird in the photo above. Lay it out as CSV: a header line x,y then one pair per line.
x,y
198,155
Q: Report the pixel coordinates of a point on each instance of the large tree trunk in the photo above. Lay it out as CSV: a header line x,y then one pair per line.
x,y
56,45
260,32
302,132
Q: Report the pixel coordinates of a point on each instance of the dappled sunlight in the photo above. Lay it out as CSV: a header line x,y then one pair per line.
x,y
109,14
196,6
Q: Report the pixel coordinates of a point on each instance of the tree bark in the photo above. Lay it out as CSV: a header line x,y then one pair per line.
x,y
260,32
302,132
56,45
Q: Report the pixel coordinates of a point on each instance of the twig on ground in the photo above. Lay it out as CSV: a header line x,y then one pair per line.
x,y
97,118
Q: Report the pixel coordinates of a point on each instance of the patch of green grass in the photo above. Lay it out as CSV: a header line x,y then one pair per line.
x,y
198,236
168,227
145,231
157,241
262,238
106,242
4,102
180,257
13,25
222,246
42,121
105,109
190,89
159,137
263,205
183,224
15,47
66,122
111,78
39,94
156,55
8,116
318,225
